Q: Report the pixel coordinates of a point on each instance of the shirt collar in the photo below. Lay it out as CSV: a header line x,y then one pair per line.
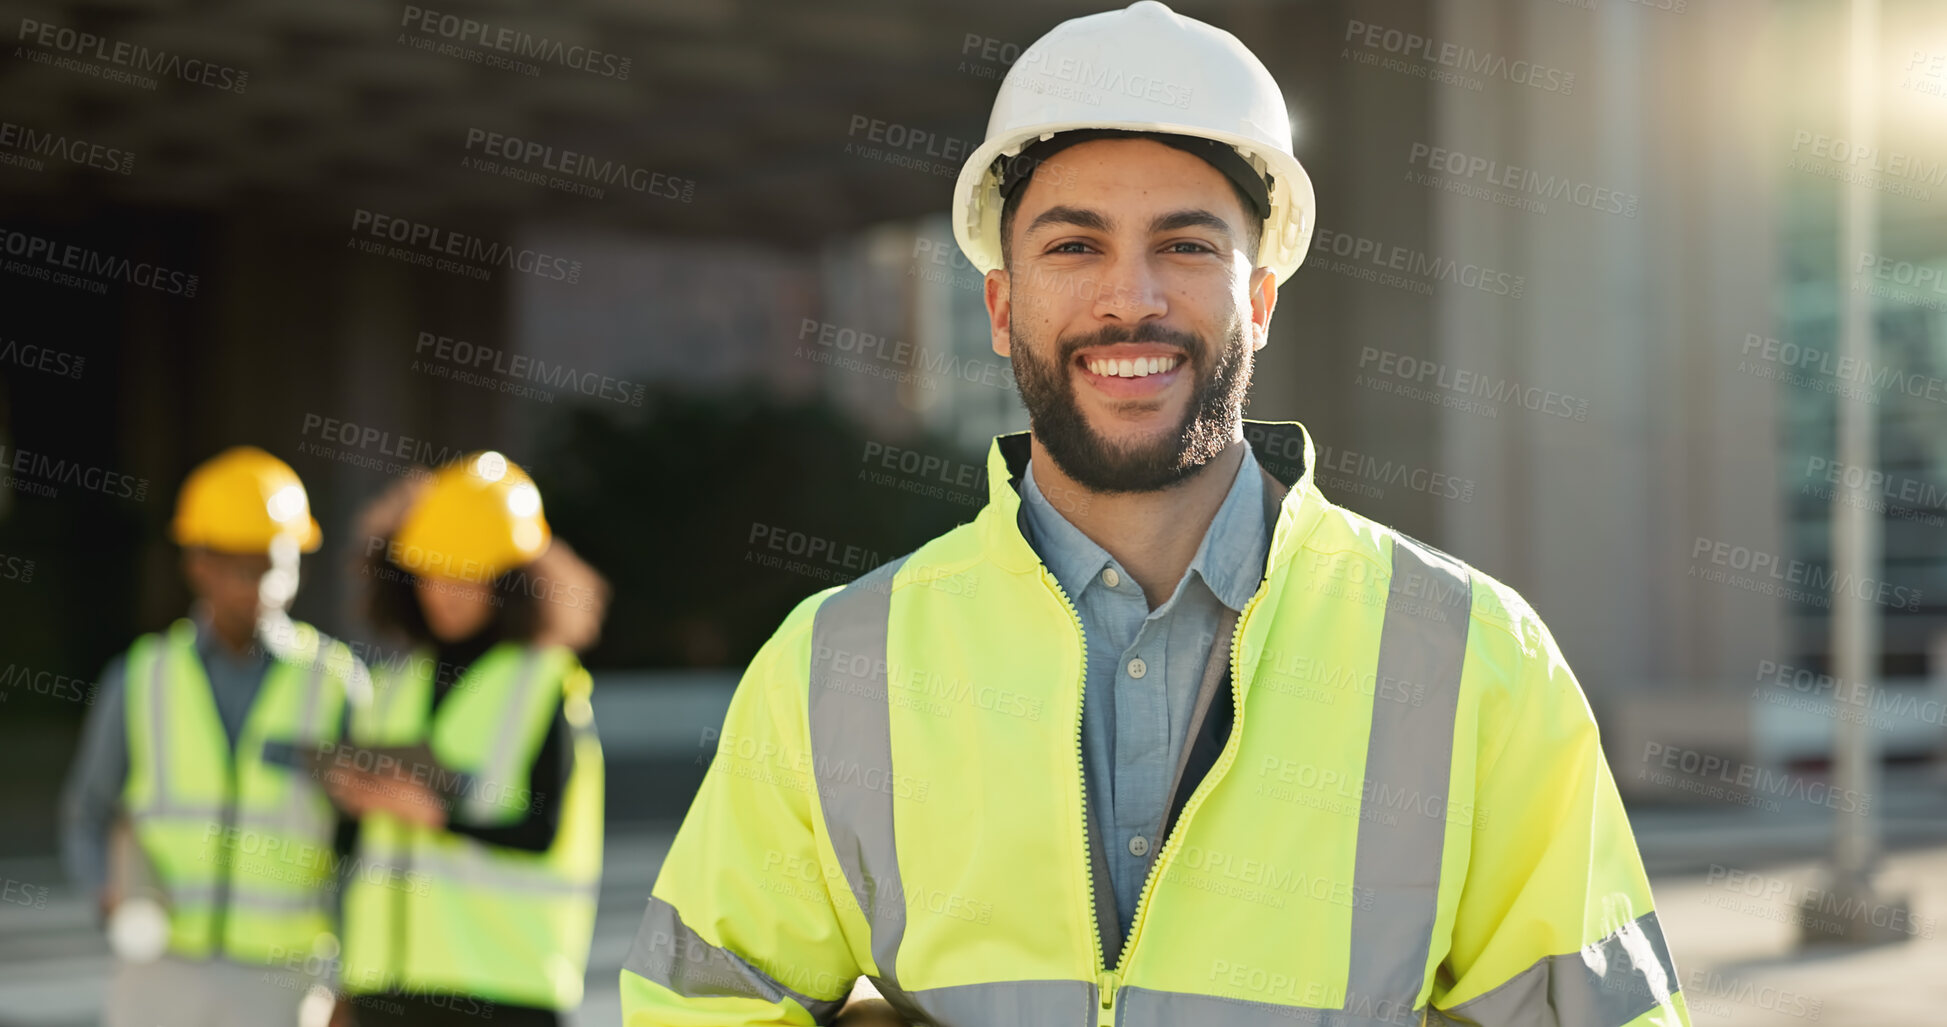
x,y
1071,556
1230,559
210,647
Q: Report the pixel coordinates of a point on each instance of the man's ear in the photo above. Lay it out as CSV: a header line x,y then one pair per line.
x,y
1264,299
998,293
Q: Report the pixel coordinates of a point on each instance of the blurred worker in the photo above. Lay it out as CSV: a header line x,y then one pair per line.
x,y
476,869
181,743
1161,737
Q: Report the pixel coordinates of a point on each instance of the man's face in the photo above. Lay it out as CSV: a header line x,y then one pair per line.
x,y
1131,312
230,583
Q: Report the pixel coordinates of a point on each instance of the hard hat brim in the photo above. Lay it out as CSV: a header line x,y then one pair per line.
x,y
308,542
1287,231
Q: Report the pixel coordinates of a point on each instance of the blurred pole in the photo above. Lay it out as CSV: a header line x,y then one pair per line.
x,y
1855,543
1855,528
1937,674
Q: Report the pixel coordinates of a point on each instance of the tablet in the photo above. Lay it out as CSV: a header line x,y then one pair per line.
x,y
406,763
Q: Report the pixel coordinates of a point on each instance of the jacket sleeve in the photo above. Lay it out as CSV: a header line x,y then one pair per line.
x,y
1554,924
94,787
741,929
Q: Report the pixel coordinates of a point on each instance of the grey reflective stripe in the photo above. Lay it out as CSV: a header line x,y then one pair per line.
x,y
1141,1007
300,821
255,819
1605,984
382,698
898,999
851,725
307,721
299,818
177,811
667,952
1013,1003
1409,752
300,813
472,865
159,721
505,756
257,900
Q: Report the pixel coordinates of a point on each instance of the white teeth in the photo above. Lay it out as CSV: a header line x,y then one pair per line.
x,y
1138,367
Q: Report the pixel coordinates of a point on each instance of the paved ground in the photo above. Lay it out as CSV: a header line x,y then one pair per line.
x,y
1727,885
1734,935
54,964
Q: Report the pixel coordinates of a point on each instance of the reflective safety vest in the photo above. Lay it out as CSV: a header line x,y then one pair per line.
x,y
1411,817
242,847
430,912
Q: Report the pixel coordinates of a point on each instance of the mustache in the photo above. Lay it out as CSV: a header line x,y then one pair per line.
x,y
1189,342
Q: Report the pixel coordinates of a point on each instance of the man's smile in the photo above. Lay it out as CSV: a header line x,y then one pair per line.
x,y
1130,369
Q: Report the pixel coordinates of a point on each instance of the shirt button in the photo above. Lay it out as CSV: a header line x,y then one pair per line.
x,y
1138,846
1110,577
1137,668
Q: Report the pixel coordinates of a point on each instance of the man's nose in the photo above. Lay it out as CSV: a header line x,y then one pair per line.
x,y
1128,291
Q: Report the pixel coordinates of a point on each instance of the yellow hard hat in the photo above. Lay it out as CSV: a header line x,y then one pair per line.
x,y
479,517
243,500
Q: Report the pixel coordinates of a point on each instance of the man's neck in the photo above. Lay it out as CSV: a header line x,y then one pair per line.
x,y
238,637
1153,535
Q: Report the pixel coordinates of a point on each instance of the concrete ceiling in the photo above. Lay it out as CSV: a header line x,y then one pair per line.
x,y
747,103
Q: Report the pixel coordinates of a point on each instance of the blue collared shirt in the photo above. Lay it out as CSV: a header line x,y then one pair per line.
x,y
1144,666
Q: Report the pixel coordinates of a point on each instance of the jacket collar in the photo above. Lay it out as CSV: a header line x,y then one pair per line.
x,y
1283,449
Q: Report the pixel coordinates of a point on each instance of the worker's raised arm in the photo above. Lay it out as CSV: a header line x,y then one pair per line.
x,y
1555,924
741,928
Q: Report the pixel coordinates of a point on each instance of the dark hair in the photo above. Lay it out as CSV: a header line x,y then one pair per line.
x,y
554,599
1253,227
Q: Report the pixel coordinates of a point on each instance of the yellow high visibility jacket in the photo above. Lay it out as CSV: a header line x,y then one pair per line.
x,y
433,912
242,847
1411,820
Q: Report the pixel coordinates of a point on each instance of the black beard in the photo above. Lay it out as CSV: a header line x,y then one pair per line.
x,y
1222,379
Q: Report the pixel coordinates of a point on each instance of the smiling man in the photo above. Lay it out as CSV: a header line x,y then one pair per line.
x,y
1161,737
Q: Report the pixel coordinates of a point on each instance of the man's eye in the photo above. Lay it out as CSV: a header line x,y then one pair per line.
x,y
1062,247
1194,247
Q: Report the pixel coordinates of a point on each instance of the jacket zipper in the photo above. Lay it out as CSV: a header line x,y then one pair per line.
x,y
1109,980
1105,980
1210,780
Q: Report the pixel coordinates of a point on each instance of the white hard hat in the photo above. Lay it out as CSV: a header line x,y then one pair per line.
x,y
1142,69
